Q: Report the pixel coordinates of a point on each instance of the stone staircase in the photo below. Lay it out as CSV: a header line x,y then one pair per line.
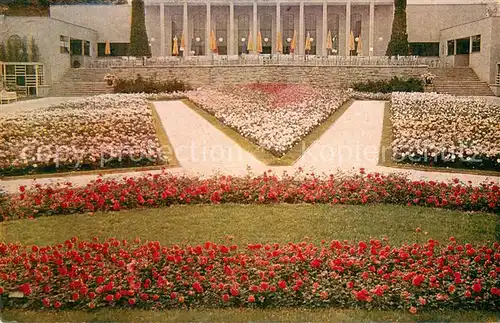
x,y
460,81
82,82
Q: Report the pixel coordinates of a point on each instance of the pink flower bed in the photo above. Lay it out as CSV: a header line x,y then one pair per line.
x,y
367,274
167,189
274,116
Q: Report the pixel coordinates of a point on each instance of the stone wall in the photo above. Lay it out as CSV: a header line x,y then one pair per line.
x,y
337,76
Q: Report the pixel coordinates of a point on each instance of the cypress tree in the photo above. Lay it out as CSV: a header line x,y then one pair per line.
x,y
398,45
139,44
3,53
35,51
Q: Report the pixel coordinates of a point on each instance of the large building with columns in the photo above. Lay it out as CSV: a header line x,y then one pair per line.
x,y
460,32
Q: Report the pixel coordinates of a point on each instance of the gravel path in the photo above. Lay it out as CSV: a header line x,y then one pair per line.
x,y
352,142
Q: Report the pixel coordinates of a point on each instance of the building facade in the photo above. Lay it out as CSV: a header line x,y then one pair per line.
x,y
460,32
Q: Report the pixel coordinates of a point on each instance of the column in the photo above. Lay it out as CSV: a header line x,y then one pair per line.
x,y
231,30
168,31
278,26
325,28
347,26
302,37
254,26
371,47
185,30
162,29
208,30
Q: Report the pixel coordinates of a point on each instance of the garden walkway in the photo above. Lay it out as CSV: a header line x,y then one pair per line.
x,y
352,142
27,105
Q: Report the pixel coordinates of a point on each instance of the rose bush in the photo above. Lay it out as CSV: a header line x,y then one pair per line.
x,y
367,274
95,132
274,116
438,129
167,189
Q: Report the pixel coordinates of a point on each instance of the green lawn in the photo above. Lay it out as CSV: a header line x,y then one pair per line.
x,y
258,223
255,223
236,315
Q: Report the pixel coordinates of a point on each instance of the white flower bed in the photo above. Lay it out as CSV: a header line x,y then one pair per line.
x,y
445,128
274,116
91,133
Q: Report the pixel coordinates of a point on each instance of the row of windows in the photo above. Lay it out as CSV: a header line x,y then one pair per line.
x,y
74,46
464,45
266,25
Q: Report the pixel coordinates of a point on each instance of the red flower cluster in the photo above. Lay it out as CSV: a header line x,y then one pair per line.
x,y
117,273
167,189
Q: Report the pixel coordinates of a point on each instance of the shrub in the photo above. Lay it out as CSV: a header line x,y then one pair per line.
x,y
167,189
150,85
372,274
395,84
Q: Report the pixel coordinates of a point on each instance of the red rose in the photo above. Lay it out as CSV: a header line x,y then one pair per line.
x,y
46,302
131,301
451,289
110,298
156,297
477,287
418,280
251,299
92,305
413,310
282,284
225,297
75,296
264,286
467,293
57,304
91,295
234,291
350,285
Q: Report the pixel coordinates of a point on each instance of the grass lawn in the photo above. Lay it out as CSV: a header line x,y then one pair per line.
x,y
258,223
236,315
255,223
260,153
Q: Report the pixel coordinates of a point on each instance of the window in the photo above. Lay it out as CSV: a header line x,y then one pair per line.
x,y
86,48
463,46
75,47
199,34
356,19
476,43
288,29
498,74
221,33
117,49
176,32
266,29
424,49
451,47
311,29
333,27
243,31
64,44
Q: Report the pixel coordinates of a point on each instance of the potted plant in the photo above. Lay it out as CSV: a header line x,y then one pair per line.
x,y
428,78
110,79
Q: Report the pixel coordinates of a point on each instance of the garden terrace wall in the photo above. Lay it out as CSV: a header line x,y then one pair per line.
x,y
336,76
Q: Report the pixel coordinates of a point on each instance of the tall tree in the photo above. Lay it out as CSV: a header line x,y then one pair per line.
x,y
398,45
139,43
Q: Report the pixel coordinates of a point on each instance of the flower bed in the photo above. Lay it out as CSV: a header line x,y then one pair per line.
x,y
444,130
372,274
99,132
274,116
167,189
